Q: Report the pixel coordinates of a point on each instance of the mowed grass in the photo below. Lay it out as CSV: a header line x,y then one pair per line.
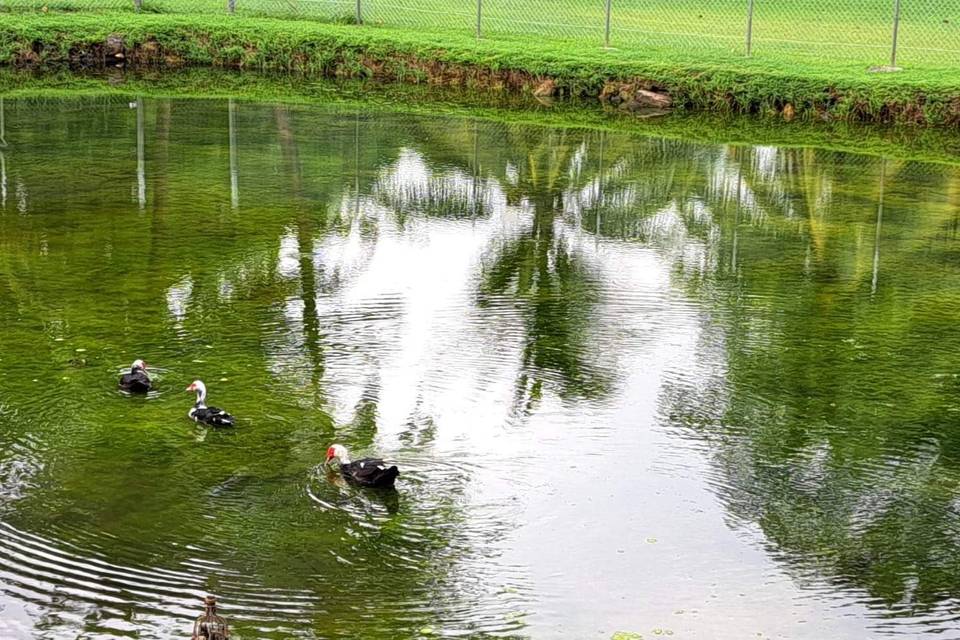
x,y
819,32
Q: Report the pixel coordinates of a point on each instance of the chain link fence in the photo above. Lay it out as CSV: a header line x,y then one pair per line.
x,y
875,33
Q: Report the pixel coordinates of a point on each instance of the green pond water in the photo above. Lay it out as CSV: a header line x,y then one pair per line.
x,y
633,384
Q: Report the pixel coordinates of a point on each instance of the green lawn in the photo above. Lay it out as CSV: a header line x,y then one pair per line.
x,y
816,32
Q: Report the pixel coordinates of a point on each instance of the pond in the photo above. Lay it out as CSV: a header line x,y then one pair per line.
x,y
633,384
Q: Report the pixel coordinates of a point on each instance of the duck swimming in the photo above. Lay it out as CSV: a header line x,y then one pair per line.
x,y
367,472
137,381
201,413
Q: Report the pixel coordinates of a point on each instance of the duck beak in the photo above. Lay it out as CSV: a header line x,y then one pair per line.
x,y
191,388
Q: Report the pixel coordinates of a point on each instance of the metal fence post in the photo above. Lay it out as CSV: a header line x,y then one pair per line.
x,y
479,16
896,33
606,35
749,28
232,6
359,16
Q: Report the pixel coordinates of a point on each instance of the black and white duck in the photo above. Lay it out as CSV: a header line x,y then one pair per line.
x,y
367,472
211,416
137,381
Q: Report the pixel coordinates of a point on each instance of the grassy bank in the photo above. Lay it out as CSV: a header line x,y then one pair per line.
x,y
838,91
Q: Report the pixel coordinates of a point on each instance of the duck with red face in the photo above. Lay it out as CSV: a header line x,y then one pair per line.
x,y
366,472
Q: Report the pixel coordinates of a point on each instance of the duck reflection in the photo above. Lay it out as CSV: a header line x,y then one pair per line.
x,y
388,498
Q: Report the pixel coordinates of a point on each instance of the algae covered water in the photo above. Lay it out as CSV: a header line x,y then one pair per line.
x,y
633,384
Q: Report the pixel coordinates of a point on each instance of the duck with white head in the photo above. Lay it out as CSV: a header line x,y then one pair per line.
x,y
136,380
201,413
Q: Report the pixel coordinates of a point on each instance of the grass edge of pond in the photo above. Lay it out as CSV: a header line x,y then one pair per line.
x,y
814,91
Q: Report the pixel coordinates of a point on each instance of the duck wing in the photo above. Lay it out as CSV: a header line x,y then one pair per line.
x,y
135,381
213,416
370,472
